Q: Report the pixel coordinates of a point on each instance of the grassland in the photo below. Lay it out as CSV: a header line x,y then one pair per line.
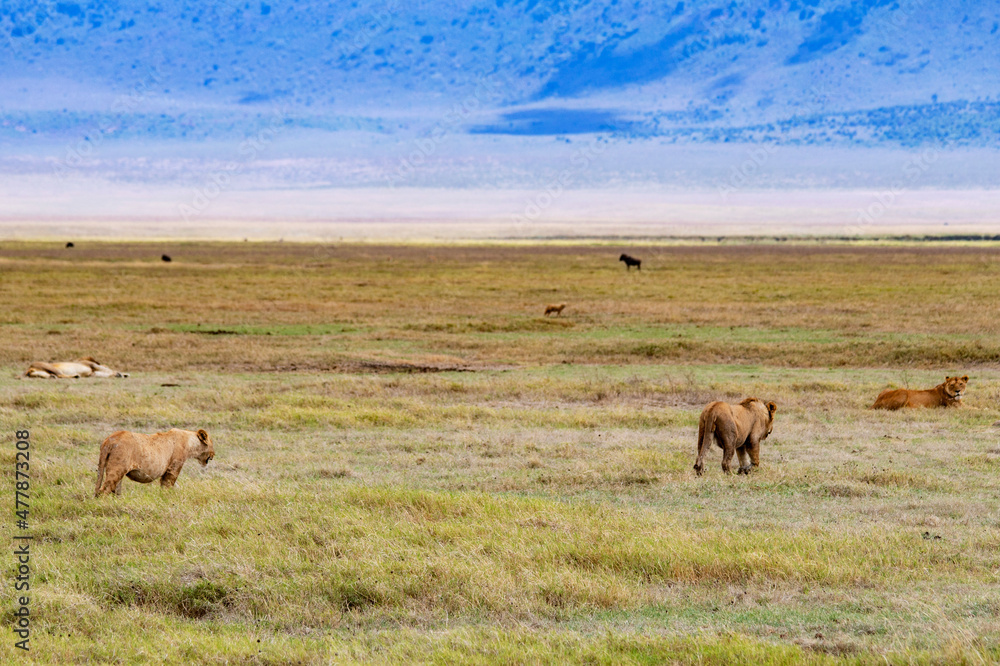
x,y
413,465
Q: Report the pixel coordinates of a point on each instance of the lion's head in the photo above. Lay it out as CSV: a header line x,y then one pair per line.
x,y
954,387
205,451
751,403
771,409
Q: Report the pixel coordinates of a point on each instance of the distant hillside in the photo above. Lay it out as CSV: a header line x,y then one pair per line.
x,y
546,67
130,77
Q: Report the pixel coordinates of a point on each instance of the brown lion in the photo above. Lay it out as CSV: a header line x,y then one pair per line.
x,y
145,458
84,367
736,429
948,394
549,309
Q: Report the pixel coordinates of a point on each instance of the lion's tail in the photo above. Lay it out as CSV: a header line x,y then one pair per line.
x,y
102,462
708,435
706,432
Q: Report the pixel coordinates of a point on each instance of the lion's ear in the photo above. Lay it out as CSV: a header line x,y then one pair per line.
x,y
947,378
771,408
965,378
203,436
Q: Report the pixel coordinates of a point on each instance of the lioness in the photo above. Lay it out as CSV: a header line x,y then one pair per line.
x,y
84,367
736,429
145,458
948,394
549,309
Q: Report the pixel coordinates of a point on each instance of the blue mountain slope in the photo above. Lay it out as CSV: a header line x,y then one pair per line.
x,y
870,72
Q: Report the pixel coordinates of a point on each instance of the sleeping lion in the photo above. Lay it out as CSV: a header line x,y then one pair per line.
x,y
84,367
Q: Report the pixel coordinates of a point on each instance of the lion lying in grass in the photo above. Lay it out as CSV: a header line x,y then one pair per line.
x,y
84,367
549,309
736,429
947,394
145,458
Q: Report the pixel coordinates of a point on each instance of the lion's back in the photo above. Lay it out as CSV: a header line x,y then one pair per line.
x,y
118,438
930,398
891,399
141,444
899,398
720,411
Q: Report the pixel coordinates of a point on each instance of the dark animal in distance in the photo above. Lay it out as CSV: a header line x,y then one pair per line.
x,y
70,244
736,429
630,262
549,309
166,257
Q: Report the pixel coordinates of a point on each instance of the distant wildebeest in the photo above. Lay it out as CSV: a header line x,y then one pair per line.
x,y
166,257
630,262
549,309
735,429
70,244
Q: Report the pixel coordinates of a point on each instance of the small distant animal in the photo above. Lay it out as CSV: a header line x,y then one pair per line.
x,y
84,367
166,257
630,262
549,309
947,394
146,458
735,429
70,245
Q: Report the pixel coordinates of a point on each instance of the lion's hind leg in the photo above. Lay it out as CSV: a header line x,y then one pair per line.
x,y
728,450
726,438
112,483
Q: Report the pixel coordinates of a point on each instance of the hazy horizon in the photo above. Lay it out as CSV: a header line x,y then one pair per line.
x,y
534,116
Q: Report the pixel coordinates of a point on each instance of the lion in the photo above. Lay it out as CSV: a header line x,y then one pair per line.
x,y
549,309
145,458
736,429
948,394
84,367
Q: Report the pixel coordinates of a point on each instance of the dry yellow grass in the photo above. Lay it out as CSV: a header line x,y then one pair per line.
x,y
414,465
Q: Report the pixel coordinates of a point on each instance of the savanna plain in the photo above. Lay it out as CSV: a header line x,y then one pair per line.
x,y
413,464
